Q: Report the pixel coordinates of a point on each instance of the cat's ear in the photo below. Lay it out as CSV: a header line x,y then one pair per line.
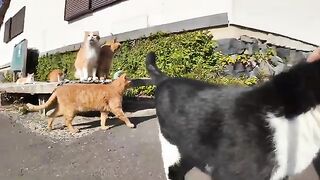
x,y
86,33
121,75
124,76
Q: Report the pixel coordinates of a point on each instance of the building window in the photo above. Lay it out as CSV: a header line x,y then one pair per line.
x,y
7,27
76,8
17,23
14,25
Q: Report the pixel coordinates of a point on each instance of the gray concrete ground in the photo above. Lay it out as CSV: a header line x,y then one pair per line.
x,y
117,154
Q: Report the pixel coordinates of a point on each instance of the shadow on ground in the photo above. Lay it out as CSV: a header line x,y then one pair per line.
x,y
130,105
114,122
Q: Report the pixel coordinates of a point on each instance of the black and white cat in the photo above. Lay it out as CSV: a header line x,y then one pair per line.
x,y
266,132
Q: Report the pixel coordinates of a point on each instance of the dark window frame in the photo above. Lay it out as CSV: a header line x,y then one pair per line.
x,y
14,26
17,24
71,13
70,9
7,31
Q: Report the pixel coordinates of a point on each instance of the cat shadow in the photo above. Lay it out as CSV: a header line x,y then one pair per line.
x,y
137,104
128,105
114,122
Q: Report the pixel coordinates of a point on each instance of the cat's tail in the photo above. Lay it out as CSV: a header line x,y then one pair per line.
x,y
156,75
52,98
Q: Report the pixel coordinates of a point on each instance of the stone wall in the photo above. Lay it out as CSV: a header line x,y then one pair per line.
x,y
283,59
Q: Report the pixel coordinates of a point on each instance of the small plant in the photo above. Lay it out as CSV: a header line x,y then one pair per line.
x,y
8,76
57,61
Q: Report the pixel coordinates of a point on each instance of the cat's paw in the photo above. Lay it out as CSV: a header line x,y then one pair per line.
x,y
74,131
105,127
83,79
131,125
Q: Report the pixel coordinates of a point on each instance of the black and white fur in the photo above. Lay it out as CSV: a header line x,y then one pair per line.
x,y
266,132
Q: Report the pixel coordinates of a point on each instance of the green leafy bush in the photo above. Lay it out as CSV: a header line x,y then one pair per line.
x,y
188,54
8,76
57,61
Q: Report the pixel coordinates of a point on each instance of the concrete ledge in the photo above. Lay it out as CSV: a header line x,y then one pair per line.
x,y
36,88
180,26
236,31
5,67
49,87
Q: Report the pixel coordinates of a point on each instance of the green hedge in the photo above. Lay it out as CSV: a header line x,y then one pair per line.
x,y
189,54
57,61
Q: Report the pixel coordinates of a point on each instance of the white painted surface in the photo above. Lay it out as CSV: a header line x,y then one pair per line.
x,y
293,18
46,29
7,49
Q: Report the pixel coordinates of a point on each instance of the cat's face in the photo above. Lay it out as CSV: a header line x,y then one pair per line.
x,y
30,77
124,80
92,37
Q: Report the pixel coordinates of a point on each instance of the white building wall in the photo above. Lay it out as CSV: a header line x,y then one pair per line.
x,y
297,19
6,49
46,29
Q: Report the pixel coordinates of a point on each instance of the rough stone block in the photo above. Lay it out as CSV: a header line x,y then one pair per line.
x,y
248,39
231,46
283,53
296,57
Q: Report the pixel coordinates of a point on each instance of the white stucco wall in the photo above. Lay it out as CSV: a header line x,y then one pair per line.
x,y
6,49
297,19
46,29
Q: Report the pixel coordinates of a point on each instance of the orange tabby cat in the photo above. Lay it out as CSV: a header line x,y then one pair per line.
x,y
56,75
87,57
74,98
105,59
25,80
